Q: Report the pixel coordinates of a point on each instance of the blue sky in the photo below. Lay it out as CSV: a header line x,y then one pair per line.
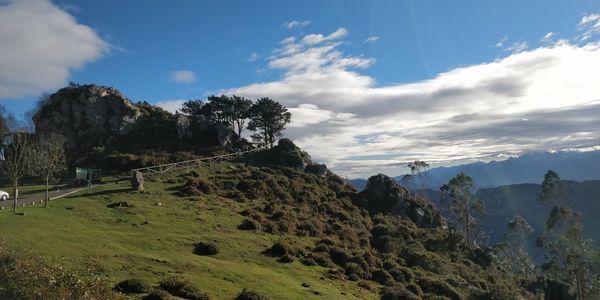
x,y
167,51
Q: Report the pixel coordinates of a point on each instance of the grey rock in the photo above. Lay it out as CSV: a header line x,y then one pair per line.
x,y
137,181
182,123
83,116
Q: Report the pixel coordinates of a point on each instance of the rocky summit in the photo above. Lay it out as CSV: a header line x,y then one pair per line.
x,y
86,115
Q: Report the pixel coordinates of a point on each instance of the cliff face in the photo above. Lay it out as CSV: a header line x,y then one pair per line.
x,y
85,116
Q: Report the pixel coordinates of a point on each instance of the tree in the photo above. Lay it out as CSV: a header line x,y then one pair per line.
x,y
462,206
48,160
419,169
268,118
552,188
17,160
240,113
570,254
193,107
512,251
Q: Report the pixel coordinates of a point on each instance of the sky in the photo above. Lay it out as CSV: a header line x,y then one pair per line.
x,y
371,85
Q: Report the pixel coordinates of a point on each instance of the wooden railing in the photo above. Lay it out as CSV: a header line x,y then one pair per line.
x,y
193,163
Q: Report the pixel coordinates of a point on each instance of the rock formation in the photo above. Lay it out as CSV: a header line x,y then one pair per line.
x,y
85,116
384,195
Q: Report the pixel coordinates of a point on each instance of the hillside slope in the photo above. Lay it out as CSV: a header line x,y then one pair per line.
x,y
288,230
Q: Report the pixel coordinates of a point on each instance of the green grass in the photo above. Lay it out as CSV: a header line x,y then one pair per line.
x,y
152,242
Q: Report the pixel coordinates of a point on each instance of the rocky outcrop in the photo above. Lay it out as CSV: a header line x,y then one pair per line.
x,y
182,125
85,116
384,195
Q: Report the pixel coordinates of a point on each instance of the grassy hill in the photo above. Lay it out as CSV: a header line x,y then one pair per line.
x,y
273,223
154,239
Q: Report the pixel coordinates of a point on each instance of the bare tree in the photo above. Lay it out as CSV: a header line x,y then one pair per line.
x,y
17,160
48,160
419,169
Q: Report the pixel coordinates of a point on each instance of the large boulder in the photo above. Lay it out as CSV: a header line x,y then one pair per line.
x,y
83,116
384,195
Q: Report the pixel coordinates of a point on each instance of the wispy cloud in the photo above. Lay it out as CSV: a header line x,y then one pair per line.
x,y
295,24
41,45
184,77
501,42
589,25
372,39
517,47
313,39
548,37
252,57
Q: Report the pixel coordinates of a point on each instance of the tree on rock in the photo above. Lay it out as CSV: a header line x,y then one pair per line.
x,y
240,113
268,118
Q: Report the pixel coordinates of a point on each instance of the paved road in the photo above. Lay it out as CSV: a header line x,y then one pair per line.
x,y
38,198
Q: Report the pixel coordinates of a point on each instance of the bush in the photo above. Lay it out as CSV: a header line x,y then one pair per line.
x,y
23,276
286,259
281,248
197,186
181,288
383,277
204,248
249,224
158,295
339,255
398,293
250,295
132,286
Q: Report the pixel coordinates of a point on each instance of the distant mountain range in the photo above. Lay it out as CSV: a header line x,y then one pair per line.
x,y
529,168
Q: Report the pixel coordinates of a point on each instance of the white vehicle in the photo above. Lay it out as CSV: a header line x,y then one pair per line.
x,y
3,195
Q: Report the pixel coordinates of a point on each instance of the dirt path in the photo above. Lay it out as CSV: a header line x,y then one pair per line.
x,y
37,199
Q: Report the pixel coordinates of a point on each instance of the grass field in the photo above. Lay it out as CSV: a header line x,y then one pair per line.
x,y
155,238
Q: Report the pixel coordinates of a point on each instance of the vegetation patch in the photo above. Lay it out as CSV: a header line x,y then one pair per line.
x,y
132,286
204,248
182,288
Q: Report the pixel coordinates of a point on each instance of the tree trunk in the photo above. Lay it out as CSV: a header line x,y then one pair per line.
x,y
468,225
47,194
15,195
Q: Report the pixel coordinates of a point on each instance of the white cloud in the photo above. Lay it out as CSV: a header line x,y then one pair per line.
x,y
41,44
530,100
253,57
309,114
372,39
313,39
517,47
184,77
589,25
501,42
171,105
548,37
295,24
